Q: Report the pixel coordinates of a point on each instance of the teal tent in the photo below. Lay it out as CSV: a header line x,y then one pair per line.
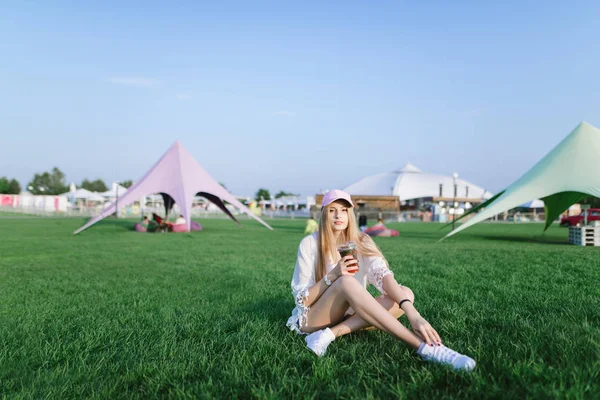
x,y
562,178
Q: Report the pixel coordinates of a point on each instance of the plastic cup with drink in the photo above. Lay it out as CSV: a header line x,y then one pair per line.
x,y
349,249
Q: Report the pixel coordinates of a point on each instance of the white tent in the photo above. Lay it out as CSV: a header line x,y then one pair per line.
x,y
83,194
537,203
115,188
563,177
411,183
294,202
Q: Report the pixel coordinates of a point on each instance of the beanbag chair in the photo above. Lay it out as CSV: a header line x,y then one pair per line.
x,y
194,226
139,228
376,230
179,228
381,231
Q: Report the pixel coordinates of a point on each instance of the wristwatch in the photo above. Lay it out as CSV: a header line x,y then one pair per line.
x,y
327,281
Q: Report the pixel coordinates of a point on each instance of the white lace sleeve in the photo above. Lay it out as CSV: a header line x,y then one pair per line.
x,y
300,293
378,269
304,278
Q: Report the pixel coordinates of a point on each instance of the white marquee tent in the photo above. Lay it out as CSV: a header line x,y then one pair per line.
x,y
112,192
411,183
83,194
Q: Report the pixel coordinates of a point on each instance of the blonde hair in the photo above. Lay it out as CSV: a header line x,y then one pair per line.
x,y
327,244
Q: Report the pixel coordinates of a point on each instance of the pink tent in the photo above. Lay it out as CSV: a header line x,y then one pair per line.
x,y
178,177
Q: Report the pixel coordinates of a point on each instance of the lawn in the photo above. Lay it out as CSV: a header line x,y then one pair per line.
x,y
112,313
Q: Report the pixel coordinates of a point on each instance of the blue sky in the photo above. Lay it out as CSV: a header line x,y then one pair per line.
x,y
298,96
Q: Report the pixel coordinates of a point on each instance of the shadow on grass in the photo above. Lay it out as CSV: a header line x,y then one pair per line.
x,y
285,227
418,235
300,231
128,225
273,309
524,239
119,223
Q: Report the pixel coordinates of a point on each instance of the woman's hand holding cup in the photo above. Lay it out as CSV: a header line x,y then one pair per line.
x,y
347,265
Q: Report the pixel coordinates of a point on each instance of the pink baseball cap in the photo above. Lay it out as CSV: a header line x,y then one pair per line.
x,y
334,195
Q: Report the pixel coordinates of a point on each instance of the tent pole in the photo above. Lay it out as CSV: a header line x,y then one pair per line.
x,y
117,202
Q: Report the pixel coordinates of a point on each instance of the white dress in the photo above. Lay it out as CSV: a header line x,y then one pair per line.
x,y
371,269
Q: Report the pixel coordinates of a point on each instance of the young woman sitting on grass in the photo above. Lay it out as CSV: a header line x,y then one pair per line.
x,y
331,296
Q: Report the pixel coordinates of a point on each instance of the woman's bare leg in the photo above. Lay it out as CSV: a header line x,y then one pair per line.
x,y
356,323
330,309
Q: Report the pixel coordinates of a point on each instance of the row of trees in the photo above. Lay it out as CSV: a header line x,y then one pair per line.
x,y
99,186
264,194
11,186
53,182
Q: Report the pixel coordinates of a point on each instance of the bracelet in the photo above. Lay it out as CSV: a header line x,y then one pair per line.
x,y
400,304
327,281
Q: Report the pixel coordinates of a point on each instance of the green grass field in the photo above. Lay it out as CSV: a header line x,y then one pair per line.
x,y
112,313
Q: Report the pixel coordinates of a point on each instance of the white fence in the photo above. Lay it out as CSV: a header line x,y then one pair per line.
x,y
59,206
35,204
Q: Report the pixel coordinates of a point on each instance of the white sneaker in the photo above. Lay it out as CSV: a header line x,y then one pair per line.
x,y
444,355
319,340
